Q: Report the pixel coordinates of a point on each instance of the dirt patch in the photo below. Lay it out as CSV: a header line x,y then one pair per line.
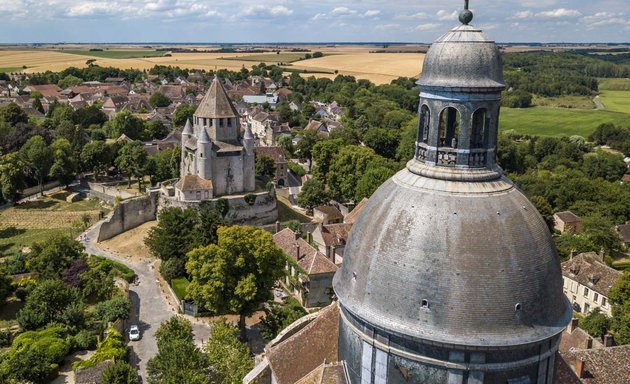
x,y
130,244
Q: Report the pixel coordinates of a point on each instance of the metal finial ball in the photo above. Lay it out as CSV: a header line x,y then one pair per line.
x,y
465,16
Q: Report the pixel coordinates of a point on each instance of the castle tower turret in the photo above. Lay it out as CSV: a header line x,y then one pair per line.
x,y
187,133
204,155
459,281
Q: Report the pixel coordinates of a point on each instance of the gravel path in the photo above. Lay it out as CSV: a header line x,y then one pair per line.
x,y
150,307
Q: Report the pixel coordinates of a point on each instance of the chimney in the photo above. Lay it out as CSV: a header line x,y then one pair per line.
x,y
573,325
588,344
328,252
608,340
277,226
297,252
298,235
309,237
332,253
580,367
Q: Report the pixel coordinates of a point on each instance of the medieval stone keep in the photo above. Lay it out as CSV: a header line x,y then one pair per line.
x,y
450,274
216,160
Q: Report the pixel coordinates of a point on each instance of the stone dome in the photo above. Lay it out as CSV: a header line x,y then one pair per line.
x,y
463,58
455,262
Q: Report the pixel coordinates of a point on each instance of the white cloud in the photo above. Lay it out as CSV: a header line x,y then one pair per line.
x,y
427,27
523,15
388,27
604,19
446,15
560,13
415,16
340,11
92,9
371,13
261,10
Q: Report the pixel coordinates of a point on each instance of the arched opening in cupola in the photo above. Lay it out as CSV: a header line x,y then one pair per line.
x,y
424,124
480,129
448,135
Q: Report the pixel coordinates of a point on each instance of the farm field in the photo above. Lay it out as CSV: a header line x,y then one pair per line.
x,y
617,101
379,68
10,69
35,221
269,58
620,84
544,121
116,54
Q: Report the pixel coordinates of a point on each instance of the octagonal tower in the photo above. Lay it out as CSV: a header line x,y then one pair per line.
x,y
450,274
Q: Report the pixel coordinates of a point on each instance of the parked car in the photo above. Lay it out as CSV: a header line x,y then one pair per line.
x,y
134,333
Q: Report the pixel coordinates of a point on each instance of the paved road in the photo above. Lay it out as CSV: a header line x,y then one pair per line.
x,y
598,103
150,308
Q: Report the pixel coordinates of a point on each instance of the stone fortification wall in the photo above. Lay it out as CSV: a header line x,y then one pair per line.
x,y
263,211
128,215
108,191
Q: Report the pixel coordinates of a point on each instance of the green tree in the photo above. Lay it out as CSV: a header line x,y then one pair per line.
x,y
227,355
48,302
87,116
12,113
608,166
210,220
265,167
12,175
619,297
323,155
64,165
37,155
120,372
126,123
132,161
545,210
346,170
371,181
383,141
601,231
5,286
51,257
236,274
279,316
178,359
164,165
69,81
304,147
175,234
37,105
155,130
159,100
182,113
286,143
595,323
96,156
117,308
313,194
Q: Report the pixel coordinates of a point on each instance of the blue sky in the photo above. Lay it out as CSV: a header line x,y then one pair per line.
x,y
210,21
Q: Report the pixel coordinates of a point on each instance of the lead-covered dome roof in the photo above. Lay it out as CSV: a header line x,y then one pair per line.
x,y
464,263
463,58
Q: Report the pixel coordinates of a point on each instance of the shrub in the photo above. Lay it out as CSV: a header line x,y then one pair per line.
x,y
250,199
296,168
120,372
173,268
115,309
6,338
84,340
113,347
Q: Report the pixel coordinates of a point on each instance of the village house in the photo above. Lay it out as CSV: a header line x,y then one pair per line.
x,y
587,281
327,214
567,222
331,240
310,272
268,98
277,155
317,126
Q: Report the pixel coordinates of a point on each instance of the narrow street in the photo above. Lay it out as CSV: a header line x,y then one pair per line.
x,y
150,308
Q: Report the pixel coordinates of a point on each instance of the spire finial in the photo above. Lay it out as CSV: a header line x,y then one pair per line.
x,y
465,16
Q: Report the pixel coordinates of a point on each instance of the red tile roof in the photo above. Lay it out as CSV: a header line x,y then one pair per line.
x,y
308,258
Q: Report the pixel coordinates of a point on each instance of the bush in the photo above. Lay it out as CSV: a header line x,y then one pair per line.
x,y
84,340
595,323
6,338
250,199
120,372
15,264
115,309
296,168
173,268
113,347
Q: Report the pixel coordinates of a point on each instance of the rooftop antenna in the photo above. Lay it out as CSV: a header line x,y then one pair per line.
x,y
465,16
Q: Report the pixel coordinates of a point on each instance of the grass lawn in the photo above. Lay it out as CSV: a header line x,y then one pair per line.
x,y
544,121
286,213
614,84
570,101
269,58
179,286
35,221
122,54
11,69
617,101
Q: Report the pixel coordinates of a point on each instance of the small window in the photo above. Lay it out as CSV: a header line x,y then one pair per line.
x,y
595,297
587,308
425,304
585,292
604,303
517,307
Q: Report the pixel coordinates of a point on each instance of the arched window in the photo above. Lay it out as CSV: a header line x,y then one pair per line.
x,y
480,127
449,128
423,127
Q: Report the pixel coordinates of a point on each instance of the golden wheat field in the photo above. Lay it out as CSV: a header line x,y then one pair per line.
x,y
355,61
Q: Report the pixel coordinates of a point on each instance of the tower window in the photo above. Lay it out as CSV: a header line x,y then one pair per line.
x,y
425,304
423,127
517,307
449,128
480,128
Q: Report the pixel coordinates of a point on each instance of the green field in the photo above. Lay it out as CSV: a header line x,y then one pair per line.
x,y
614,84
107,54
617,101
11,69
179,286
544,121
269,58
569,101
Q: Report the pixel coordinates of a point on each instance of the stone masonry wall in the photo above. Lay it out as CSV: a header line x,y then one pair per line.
x,y
128,215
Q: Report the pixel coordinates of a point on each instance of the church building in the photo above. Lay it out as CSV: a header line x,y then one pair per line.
x,y
216,159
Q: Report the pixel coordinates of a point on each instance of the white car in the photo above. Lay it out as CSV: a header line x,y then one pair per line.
x,y
134,333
